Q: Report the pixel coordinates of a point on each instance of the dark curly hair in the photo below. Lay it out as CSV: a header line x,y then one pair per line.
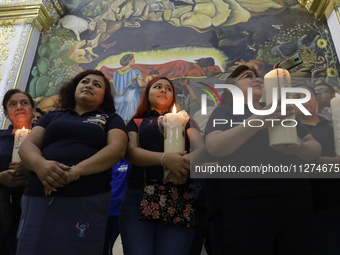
x,y
66,93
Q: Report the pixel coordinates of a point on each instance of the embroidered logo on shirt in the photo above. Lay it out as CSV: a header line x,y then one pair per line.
x,y
99,119
82,228
123,168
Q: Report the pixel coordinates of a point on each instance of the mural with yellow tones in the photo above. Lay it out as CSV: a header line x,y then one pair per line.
x,y
189,41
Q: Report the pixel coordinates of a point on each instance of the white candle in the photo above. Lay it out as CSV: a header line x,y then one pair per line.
x,y
174,132
335,107
278,134
20,135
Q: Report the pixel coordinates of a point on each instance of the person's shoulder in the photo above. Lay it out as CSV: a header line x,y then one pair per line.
x,y
133,124
112,115
324,120
58,111
135,71
116,116
325,123
54,113
223,109
8,131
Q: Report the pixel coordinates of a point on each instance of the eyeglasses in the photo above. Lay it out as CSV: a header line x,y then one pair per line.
x,y
250,75
322,90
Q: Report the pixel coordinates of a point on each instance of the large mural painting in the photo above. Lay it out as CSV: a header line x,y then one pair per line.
x,y
193,42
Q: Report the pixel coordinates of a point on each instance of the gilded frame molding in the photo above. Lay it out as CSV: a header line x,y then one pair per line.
x,y
337,12
320,8
42,13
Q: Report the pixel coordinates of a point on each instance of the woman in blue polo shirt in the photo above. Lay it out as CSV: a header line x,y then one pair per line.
x,y
145,237
71,152
19,109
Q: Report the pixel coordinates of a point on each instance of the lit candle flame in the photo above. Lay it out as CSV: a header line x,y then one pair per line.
x,y
174,110
23,128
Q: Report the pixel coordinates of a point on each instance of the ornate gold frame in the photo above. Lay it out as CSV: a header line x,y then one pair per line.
x,y
336,9
41,13
320,8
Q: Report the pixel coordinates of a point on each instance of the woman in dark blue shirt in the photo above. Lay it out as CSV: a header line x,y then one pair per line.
x,y
146,154
257,216
71,152
19,109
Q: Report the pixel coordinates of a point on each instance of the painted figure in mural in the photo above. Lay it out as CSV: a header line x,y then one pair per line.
x,y
71,191
19,109
126,83
187,98
152,74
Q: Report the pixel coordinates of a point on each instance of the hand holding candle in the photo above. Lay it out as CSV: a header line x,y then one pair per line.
x,y
174,132
20,135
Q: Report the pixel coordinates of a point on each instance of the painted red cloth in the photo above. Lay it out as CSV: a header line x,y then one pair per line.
x,y
171,70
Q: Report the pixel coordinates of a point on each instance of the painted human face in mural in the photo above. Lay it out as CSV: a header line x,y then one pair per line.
x,y
132,62
248,79
19,110
90,91
161,95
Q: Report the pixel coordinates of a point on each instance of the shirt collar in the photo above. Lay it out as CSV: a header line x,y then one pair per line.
x,y
154,113
90,112
322,119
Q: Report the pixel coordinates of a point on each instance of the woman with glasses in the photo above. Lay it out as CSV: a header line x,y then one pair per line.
x,y
324,94
252,215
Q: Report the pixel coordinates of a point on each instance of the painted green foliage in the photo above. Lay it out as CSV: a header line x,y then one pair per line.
x,y
319,57
48,75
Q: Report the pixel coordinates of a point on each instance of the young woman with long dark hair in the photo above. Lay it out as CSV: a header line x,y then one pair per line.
x,y
146,154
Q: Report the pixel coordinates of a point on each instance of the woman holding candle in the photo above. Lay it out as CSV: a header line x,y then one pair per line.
x,y
146,154
257,216
71,152
326,191
19,109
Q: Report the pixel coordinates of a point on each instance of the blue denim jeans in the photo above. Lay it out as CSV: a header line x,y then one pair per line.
x,y
150,238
